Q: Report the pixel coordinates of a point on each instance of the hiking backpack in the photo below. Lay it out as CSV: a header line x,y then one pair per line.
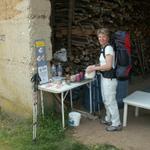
x,y
122,47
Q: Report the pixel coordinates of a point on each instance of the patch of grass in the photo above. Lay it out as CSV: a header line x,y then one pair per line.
x,y
16,134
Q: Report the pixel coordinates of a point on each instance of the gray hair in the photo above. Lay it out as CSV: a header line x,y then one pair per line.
x,y
104,31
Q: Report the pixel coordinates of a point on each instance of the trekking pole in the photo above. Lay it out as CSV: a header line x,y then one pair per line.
x,y
134,55
139,56
143,56
93,95
99,93
35,80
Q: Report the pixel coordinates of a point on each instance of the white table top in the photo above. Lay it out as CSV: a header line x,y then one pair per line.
x,y
139,99
53,88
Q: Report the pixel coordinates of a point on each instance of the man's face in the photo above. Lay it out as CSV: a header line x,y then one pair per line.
x,y
103,39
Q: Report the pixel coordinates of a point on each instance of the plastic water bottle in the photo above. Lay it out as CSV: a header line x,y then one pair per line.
x,y
53,70
59,69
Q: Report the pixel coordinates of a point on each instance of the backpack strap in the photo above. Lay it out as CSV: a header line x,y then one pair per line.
x,y
102,50
107,74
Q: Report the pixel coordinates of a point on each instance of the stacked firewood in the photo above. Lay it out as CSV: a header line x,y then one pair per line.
x,y
75,23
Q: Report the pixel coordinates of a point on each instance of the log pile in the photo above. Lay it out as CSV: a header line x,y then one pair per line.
x,y
75,23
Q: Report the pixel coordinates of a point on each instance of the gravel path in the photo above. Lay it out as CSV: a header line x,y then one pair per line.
x,y
136,136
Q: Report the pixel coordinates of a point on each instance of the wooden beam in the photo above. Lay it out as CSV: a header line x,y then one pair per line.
x,y
70,20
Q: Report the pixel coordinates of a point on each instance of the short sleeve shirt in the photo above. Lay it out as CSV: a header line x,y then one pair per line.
x,y
108,50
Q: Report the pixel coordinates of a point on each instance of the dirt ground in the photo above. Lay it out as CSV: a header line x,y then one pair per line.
x,y
136,136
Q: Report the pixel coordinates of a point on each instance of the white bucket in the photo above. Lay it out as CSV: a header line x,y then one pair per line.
x,y
74,118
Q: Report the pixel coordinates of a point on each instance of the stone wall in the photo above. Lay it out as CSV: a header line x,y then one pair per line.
x,y
21,23
39,20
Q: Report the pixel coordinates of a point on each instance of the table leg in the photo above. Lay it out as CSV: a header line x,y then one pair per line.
x,y
62,109
136,111
71,99
42,103
90,93
125,113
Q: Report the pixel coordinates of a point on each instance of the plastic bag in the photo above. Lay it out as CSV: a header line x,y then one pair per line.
x,y
61,55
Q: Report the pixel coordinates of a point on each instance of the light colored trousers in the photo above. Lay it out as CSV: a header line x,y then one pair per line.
x,y
108,90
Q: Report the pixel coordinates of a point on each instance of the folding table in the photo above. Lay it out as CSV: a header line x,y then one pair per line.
x,y
139,99
63,90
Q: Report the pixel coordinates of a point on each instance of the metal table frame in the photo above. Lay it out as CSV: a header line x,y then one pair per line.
x,y
64,91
